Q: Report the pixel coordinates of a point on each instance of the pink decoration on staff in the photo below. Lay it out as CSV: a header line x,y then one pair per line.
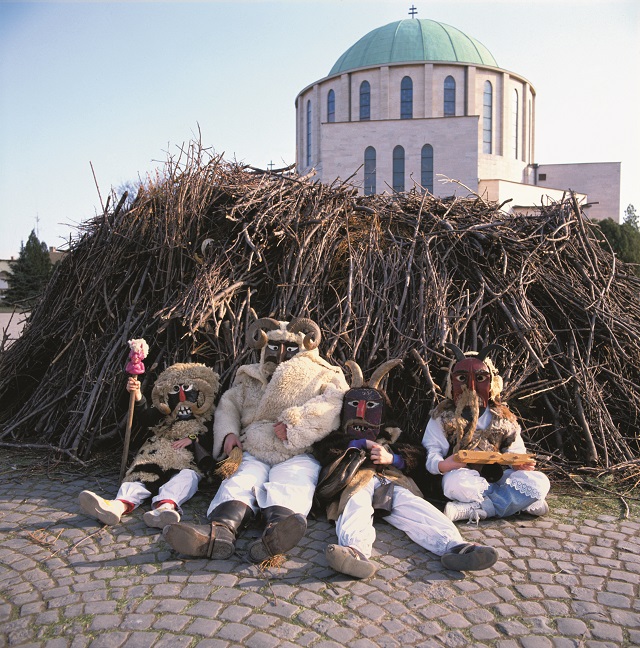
x,y
139,349
135,367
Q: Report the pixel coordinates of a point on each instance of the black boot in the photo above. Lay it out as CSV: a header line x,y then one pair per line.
x,y
283,530
215,540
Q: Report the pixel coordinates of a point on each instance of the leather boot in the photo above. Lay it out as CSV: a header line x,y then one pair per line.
x,y
215,540
349,561
283,530
469,557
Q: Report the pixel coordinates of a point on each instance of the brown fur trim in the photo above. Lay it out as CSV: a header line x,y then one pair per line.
x,y
392,433
497,437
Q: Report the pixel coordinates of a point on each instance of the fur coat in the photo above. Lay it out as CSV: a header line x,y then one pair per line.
x,y
156,461
332,447
305,393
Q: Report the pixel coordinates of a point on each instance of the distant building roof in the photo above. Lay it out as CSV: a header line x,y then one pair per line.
x,y
413,40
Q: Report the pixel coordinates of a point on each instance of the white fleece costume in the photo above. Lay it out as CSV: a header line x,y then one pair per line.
x,y
305,393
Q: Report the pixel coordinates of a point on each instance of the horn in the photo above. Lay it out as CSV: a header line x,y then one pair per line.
x,y
457,351
356,374
256,337
382,371
485,351
309,328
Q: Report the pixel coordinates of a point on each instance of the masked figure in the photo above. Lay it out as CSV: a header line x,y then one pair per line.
x,y
171,462
366,473
274,411
472,417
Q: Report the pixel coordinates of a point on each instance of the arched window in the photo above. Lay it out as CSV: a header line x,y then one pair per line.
x,y
398,168
369,171
426,167
449,97
365,101
406,98
487,118
331,106
515,122
308,133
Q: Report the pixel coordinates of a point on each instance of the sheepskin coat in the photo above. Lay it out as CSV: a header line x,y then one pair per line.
x,y
156,461
333,446
305,393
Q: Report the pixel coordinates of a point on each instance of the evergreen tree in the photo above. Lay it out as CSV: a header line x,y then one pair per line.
x,y
29,274
624,239
631,217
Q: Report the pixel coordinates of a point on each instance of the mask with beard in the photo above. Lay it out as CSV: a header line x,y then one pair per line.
x,y
473,382
185,391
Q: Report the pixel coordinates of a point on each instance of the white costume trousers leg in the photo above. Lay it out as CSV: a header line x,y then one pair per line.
x,y
464,485
243,484
291,484
179,488
134,492
354,526
422,522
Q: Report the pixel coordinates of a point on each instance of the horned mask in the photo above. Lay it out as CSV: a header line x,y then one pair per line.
x,y
474,372
363,406
281,341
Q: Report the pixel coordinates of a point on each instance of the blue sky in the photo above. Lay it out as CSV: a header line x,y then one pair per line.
x,y
113,88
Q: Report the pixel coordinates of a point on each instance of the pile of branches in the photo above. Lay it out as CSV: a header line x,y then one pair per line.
x,y
209,246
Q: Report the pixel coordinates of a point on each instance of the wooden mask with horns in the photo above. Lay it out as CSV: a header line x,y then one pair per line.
x,y
280,341
364,403
475,373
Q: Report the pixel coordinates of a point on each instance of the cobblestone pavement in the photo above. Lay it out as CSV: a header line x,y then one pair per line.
x,y
569,579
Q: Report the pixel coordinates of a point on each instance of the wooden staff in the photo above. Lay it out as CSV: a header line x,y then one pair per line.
x,y
135,367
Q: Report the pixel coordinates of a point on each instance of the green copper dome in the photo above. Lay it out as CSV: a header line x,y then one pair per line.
x,y
413,40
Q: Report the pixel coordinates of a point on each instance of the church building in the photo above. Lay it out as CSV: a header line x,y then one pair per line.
x,y
418,103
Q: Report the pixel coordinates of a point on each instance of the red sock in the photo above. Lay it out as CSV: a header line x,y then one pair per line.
x,y
128,506
167,501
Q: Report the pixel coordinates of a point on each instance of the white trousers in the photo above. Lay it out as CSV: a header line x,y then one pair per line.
x,y
515,491
420,520
178,489
290,483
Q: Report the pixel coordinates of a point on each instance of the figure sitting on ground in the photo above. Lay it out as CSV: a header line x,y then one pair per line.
x,y
366,473
169,465
473,418
272,414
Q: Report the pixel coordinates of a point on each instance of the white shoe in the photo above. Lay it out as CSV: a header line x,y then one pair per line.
x,y
471,511
162,516
537,508
107,511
